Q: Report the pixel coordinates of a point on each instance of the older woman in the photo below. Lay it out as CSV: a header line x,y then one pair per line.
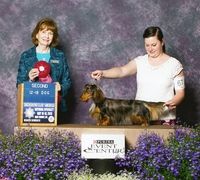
x,y
45,38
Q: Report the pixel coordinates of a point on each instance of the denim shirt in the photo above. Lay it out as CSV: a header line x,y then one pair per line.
x,y
59,70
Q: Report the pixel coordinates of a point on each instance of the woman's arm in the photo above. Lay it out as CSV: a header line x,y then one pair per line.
x,y
116,72
179,91
65,82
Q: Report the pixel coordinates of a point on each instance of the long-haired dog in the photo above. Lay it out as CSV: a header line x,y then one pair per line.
x,y
107,111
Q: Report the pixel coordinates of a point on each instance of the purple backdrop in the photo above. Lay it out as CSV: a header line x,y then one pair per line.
x,y
100,34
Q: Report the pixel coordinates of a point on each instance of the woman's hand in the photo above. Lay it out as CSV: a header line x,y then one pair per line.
x,y
97,75
170,104
176,100
58,86
33,74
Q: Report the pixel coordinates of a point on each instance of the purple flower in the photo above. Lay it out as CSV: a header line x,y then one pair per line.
x,y
28,155
152,158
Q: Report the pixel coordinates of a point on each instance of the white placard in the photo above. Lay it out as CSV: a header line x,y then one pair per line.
x,y
102,146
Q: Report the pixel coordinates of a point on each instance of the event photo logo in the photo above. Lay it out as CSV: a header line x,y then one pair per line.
x,y
104,147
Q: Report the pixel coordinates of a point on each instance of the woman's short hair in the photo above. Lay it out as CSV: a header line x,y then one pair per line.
x,y
154,31
49,24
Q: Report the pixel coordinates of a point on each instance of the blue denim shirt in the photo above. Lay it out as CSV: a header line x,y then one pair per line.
x,y
59,70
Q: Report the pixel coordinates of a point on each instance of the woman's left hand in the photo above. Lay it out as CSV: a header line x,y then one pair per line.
x,y
58,86
170,104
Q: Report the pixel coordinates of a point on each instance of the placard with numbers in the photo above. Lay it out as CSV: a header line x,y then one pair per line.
x,y
37,104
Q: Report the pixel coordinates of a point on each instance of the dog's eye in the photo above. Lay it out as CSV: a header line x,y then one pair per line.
x,y
93,86
87,86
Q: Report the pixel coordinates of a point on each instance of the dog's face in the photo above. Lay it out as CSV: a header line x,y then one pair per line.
x,y
88,92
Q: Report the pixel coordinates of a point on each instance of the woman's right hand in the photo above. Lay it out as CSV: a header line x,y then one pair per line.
x,y
33,73
97,75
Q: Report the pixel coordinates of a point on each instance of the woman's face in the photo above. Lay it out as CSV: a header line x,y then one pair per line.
x,y
44,37
153,46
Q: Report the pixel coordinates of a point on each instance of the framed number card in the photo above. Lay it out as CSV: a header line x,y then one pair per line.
x,y
37,104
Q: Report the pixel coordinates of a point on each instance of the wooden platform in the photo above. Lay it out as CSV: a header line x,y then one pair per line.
x,y
131,132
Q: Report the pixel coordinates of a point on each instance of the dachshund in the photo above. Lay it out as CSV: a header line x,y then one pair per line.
x,y
106,111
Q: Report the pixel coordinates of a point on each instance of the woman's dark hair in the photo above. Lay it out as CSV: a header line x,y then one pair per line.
x,y
48,24
154,31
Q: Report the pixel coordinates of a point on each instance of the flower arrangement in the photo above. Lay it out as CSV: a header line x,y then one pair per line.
x,y
28,155
176,158
56,155
86,174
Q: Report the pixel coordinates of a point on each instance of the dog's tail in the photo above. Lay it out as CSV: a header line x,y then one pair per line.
x,y
156,109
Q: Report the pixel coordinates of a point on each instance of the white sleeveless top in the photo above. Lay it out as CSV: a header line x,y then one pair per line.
x,y
155,83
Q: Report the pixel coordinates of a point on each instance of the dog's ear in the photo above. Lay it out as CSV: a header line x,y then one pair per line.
x,y
98,94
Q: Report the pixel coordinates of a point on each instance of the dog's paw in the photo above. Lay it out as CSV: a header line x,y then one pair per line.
x,y
106,123
144,124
